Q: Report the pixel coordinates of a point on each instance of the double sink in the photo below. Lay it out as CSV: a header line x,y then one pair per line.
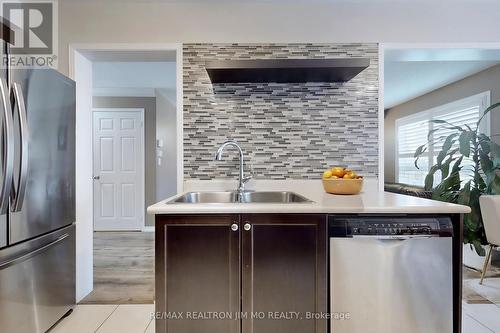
x,y
240,197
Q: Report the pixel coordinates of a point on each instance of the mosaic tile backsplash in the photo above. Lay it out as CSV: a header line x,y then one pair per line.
x,y
286,130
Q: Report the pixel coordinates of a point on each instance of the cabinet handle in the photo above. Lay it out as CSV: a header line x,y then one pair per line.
x,y
234,227
247,226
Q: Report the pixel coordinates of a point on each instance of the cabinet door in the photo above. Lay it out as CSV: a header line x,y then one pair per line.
x,y
284,273
197,274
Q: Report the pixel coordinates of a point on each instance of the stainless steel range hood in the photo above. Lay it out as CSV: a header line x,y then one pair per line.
x,y
285,70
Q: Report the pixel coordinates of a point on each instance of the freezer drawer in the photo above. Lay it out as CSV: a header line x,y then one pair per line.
x,y
37,282
391,285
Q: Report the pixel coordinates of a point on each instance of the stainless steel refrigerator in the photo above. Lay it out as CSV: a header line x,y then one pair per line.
x,y
37,198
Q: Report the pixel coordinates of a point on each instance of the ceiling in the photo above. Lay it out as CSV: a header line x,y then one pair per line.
x,y
410,73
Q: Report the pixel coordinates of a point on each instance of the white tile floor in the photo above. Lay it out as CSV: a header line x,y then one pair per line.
x,y
125,318
480,318
136,318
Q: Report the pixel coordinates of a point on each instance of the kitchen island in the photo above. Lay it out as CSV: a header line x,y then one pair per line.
x,y
266,267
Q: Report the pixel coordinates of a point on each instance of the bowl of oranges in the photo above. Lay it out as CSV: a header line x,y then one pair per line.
x,y
339,180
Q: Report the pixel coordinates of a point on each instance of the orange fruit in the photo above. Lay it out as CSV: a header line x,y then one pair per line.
x,y
338,171
327,174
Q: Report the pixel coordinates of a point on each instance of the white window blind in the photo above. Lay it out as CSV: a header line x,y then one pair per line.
x,y
412,132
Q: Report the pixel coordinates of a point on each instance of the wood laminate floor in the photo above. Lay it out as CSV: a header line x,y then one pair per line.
x,y
123,268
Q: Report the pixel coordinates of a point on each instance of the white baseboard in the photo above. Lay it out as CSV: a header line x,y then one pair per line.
x,y
148,229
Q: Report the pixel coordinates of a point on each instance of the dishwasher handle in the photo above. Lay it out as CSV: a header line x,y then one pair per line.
x,y
395,237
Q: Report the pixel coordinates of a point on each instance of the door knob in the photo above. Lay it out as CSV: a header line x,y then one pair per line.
x,y
234,227
247,226
96,177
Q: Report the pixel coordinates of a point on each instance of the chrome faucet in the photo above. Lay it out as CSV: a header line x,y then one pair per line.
x,y
218,157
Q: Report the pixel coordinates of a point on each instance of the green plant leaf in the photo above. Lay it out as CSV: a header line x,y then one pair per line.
x,y
484,143
494,186
451,126
432,131
465,140
429,178
457,166
445,167
418,152
448,143
448,189
487,168
475,214
464,195
495,153
488,110
480,183
440,121
479,248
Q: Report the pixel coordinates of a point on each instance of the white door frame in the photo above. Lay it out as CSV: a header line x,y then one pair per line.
x,y
84,216
143,156
381,54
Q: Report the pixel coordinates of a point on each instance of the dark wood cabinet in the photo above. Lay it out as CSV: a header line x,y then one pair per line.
x,y
284,273
271,268
197,273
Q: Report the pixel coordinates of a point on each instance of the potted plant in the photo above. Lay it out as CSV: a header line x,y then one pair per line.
x,y
469,165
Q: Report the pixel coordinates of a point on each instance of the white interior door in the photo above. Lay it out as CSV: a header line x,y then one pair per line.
x,y
119,169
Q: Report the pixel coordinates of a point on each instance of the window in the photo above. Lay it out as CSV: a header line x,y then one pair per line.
x,y
412,132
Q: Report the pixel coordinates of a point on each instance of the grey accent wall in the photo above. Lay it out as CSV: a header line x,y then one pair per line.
x,y
149,105
488,79
286,130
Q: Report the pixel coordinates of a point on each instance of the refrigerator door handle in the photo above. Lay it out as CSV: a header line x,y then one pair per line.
x,y
8,147
32,253
17,197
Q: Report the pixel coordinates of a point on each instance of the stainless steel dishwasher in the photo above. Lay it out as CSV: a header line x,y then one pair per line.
x,y
390,275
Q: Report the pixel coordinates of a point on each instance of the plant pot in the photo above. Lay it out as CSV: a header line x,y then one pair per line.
x,y
471,259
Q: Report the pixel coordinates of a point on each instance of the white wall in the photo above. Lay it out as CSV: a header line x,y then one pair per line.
x,y
166,122
354,21
84,182
132,78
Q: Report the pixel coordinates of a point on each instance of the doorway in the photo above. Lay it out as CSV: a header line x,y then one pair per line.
x,y
118,144
115,242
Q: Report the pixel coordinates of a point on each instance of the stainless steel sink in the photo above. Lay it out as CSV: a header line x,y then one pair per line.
x,y
235,197
272,197
207,197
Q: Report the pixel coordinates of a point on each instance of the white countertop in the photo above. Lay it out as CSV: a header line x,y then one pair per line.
x,y
370,200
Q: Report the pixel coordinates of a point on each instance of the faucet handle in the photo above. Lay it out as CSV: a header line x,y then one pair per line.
x,y
246,179
250,174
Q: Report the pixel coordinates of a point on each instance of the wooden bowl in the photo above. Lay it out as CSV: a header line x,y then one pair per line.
x,y
343,186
